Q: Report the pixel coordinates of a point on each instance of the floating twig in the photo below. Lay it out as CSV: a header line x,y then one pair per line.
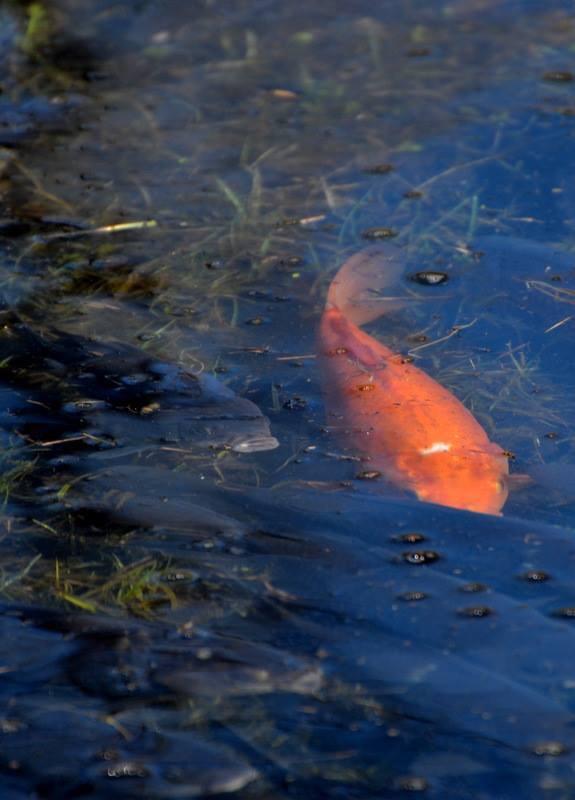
x,y
556,292
455,330
295,358
118,227
558,324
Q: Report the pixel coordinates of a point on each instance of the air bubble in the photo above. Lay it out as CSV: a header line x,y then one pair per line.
x,y
430,277
475,612
420,557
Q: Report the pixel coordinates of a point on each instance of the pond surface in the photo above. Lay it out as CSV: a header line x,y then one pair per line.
x,y
204,592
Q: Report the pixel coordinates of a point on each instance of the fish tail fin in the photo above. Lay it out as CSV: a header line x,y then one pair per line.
x,y
355,290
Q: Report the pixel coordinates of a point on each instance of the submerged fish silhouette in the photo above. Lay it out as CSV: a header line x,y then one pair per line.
x,y
110,390
412,429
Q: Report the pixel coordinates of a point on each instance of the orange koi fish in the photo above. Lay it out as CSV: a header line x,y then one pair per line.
x,y
412,429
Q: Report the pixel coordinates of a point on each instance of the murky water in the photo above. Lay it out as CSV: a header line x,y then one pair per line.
x,y
204,592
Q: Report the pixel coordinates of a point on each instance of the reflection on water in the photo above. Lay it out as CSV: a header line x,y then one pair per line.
x,y
203,592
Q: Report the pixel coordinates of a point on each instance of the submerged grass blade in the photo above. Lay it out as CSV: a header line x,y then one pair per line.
x,y
6,582
234,199
78,602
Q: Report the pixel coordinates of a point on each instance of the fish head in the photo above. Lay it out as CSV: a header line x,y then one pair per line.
x,y
473,480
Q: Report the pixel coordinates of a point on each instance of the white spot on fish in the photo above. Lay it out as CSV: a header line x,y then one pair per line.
x,y
436,447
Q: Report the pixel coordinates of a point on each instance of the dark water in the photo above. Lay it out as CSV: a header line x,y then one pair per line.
x,y
200,597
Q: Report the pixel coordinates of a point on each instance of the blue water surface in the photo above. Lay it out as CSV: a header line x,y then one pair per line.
x,y
202,593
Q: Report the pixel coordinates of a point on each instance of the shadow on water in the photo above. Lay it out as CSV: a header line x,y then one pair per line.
x,y
203,592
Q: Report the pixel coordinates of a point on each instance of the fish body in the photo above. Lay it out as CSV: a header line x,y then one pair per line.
x,y
410,428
